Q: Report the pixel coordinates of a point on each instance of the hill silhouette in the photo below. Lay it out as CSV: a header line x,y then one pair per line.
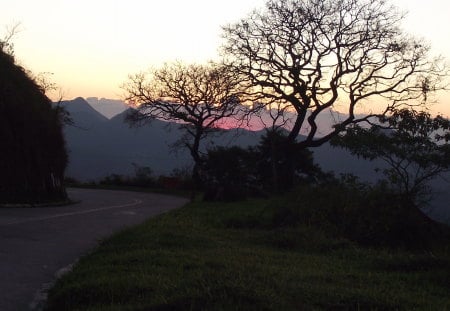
x,y
84,114
99,146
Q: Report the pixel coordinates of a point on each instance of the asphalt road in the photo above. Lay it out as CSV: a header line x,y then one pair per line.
x,y
36,244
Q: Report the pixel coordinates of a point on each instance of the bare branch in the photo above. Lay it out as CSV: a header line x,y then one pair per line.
x,y
6,43
198,97
312,55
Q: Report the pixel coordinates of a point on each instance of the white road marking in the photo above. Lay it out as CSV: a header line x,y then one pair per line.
x,y
135,202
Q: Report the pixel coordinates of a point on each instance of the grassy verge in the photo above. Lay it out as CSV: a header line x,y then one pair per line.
x,y
215,256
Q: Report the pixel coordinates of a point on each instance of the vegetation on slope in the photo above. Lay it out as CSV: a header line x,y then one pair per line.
x,y
33,155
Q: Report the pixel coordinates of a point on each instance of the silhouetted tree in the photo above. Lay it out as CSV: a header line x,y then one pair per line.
x,y
198,97
315,55
33,155
414,145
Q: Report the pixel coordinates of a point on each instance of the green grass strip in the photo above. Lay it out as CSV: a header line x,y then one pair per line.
x,y
217,256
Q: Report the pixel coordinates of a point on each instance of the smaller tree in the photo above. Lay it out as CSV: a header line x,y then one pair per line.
x,y
198,97
414,145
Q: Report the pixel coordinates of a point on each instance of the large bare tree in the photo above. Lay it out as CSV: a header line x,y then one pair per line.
x,y
314,55
198,97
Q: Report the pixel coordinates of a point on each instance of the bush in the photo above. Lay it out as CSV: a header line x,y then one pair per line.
x,y
273,166
371,215
143,177
184,177
229,174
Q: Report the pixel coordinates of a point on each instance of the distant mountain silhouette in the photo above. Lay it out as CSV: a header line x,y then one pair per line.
x,y
108,107
83,114
99,146
325,121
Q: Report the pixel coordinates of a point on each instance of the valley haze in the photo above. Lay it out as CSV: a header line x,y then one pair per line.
x,y
100,143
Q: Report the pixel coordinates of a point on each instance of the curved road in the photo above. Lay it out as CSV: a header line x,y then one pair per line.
x,y
37,243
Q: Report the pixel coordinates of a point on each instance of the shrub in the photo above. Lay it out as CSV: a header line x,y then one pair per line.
x,y
229,174
273,166
371,215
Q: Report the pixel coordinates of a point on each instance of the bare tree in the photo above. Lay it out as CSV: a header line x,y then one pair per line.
x,y
274,116
6,43
198,97
313,55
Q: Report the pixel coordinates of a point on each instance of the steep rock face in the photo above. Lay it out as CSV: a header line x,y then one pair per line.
x,y
33,155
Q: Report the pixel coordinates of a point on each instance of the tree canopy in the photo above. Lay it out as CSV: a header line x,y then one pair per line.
x,y
414,145
316,55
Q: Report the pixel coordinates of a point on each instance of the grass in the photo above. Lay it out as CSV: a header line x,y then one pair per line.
x,y
236,256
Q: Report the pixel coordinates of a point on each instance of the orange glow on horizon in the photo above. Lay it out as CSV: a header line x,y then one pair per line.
x,y
92,46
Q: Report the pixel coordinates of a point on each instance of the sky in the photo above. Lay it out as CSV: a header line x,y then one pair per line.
x,y
91,46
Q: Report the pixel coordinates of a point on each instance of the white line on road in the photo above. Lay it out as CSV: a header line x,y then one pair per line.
x,y
135,202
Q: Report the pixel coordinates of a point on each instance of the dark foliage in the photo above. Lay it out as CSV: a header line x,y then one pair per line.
x,y
282,163
143,177
230,173
414,145
33,155
273,166
369,215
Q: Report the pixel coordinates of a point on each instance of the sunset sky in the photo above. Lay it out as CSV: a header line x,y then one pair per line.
x,y
91,46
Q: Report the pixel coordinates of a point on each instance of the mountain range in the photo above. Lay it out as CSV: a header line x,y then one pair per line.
x,y
103,144
99,146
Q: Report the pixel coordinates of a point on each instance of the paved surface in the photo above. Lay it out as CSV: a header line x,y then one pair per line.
x,y
36,243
